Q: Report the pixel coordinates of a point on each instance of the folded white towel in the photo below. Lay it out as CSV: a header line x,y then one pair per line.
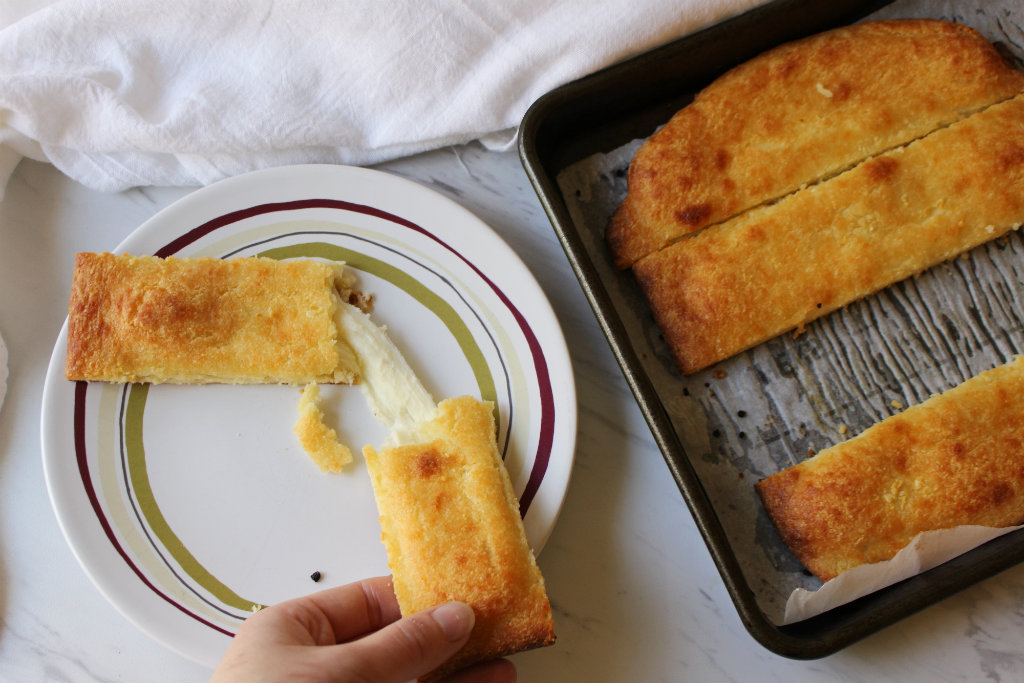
x,y
119,93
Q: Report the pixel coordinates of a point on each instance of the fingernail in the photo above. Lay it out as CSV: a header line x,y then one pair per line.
x,y
455,619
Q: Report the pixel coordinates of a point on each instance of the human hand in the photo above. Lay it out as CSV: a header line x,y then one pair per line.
x,y
352,633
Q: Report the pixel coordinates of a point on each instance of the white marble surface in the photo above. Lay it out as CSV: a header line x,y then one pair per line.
x,y
635,592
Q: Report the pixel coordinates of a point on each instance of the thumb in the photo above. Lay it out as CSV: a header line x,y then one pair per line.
x,y
413,646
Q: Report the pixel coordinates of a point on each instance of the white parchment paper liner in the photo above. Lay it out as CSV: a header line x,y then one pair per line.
x,y
926,551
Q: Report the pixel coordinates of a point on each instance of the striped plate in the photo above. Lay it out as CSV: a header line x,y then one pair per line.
x,y
190,505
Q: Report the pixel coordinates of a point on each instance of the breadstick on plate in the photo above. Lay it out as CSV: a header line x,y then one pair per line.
x,y
204,320
450,522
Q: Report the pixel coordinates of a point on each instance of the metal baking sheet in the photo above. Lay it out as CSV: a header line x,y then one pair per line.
x,y
724,428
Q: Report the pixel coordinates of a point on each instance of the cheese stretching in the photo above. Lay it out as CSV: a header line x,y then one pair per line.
x,y
773,269
449,517
450,522
395,395
957,458
800,113
206,320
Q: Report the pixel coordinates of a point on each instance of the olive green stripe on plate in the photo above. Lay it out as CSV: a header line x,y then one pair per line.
x,y
411,286
150,510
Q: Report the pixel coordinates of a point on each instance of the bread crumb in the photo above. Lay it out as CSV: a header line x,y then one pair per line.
x,y
823,90
897,405
318,440
843,429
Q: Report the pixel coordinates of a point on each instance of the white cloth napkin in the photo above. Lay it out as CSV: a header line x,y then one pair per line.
x,y
120,93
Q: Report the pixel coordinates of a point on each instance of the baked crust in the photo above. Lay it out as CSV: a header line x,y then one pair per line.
x,y
797,114
203,320
451,526
957,458
319,441
775,268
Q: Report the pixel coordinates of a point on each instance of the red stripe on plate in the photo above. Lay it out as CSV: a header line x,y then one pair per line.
x,y
83,469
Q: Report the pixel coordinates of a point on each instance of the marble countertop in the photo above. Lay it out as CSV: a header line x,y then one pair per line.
x,y
635,593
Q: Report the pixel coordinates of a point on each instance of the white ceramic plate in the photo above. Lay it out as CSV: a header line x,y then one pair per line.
x,y
187,505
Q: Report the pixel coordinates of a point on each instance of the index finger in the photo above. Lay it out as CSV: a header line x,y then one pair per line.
x,y
358,608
